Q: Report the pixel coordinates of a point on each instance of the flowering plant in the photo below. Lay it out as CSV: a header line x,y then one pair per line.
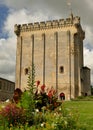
x,y
12,114
31,111
45,97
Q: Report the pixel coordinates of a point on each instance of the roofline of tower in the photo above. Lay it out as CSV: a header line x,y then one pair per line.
x,y
47,24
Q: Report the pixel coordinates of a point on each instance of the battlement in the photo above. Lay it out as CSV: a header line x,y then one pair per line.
x,y
72,21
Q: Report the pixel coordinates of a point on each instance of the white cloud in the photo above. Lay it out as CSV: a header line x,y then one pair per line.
x,y
18,4
90,3
8,46
20,17
88,56
7,58
88,37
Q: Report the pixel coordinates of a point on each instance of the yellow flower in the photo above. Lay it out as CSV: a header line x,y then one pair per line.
x,y
11,125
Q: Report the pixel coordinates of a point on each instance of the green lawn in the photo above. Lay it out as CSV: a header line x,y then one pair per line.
x,y
84,109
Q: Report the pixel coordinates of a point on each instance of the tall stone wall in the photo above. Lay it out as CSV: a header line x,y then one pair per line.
x,y
56,49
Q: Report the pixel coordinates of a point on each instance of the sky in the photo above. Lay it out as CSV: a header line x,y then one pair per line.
x,y
28,11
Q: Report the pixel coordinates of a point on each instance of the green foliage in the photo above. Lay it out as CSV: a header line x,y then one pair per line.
x,y
11,114
41,100
57,119
85,110
66,120
31,87
83,98
38,111
27,100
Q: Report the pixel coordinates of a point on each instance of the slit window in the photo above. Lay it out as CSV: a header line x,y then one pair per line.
x,y
61,69
26,71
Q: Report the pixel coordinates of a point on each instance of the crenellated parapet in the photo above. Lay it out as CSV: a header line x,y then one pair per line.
x,y
72,21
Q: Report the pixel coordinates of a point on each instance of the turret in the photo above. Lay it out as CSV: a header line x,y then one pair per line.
x,y
71,21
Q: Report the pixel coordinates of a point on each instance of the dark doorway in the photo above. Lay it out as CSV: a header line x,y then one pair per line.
x,y
62,96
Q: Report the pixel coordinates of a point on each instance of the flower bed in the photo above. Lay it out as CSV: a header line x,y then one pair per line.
x,y
37,109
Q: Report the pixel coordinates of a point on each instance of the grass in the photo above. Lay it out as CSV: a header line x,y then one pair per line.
x,y
84,110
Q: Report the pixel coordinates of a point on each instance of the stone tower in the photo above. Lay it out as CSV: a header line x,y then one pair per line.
x,y
56,49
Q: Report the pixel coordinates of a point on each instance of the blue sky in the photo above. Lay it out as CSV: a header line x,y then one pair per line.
x,y
28,11
3,15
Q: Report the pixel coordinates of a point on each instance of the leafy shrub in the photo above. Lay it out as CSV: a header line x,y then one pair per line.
x,y
37,110
12,114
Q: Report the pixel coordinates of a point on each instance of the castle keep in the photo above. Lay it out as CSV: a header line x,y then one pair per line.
x,y
56,49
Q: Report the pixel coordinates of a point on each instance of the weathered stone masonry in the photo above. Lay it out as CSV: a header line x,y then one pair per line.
x,y
56,49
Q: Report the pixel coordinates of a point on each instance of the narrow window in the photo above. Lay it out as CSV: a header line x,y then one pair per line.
x,y
61,69
26,71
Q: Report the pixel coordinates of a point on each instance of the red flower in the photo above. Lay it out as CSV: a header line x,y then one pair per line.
x,y
38,82
43,87
50,94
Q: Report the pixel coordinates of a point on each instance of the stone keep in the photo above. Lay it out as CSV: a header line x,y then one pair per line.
x,y
56,49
